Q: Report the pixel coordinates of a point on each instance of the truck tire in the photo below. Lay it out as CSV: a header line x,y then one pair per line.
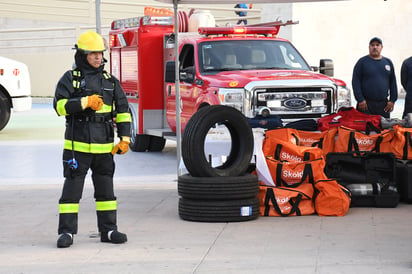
x,y
5,110
156,143
219,211
138,142
218,188
194,135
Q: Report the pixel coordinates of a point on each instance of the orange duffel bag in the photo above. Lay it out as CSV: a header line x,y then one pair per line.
x,y
284,151
284,201
350,140
331,198
402,142
324,140
294,174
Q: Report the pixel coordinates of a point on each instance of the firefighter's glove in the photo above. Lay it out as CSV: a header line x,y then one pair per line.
x,y
122,147
94,102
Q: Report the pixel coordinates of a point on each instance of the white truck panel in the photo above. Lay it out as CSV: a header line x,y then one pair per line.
x,y
15,79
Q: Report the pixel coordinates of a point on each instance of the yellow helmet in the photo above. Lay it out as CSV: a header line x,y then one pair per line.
x,y
91,41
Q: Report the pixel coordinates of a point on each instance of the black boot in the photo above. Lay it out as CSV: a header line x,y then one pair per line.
x,y
113,236
65,240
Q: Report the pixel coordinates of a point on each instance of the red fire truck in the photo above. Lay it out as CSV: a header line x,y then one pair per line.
x,y
247,67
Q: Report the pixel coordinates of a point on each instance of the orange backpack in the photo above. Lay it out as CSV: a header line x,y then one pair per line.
x,y
284,201
331,198
353,140
402,142
294,174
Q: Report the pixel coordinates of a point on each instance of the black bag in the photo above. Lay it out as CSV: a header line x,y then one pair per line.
x,y
305,124
370,176
404,179
271,122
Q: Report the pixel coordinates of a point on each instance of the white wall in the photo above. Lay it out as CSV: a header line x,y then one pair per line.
x,y
338,30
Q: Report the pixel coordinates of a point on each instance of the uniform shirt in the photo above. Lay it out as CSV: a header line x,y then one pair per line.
x,y
373,79
406,78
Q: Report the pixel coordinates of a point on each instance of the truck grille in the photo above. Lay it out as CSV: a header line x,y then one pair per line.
x,y
294,102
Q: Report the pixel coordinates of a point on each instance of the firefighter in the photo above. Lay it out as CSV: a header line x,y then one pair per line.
x,y
90,99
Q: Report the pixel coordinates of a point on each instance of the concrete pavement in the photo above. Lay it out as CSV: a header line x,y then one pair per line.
x,y
366,240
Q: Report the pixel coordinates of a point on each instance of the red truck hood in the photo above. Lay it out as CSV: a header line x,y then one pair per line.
x,y
240,78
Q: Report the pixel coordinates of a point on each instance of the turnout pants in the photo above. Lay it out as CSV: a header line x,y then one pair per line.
x,y
102,167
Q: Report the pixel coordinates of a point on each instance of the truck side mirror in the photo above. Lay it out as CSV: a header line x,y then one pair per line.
x,y
187,75
326,67
170,72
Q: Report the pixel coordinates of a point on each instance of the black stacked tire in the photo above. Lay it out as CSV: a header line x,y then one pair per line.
x,y
217,188
225,193
194,136
219,211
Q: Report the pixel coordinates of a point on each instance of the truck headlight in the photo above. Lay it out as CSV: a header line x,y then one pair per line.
x,y
231,97
344,96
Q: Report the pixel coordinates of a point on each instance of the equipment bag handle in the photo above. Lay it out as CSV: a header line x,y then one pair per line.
x,y
408,143
378,144
371,127
276,155
270,195
307,172
352,144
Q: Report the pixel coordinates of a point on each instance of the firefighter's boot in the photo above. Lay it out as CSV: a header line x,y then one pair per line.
x,y
65,240
114,237
67,228
106,221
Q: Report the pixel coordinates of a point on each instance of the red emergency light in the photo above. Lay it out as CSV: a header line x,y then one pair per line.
x,y
239,30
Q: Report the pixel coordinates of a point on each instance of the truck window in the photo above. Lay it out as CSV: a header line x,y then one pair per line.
x,y
187,62
187,57
217,56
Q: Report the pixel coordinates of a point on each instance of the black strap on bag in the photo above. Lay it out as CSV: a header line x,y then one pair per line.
x,y
371,127
307,172
408,143
296,138
353,144
276,155
270,196
318,144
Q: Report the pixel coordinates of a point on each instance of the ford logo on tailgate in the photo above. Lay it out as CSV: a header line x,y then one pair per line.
x,y
295,103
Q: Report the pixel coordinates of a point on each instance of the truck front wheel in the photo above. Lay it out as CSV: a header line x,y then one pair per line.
x,y
157,143
5,110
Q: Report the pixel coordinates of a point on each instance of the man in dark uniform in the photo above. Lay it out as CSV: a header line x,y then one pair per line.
x,y
90,99
406,81
374,80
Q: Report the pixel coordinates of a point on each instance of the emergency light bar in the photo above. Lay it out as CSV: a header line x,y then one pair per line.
x,y
157,20
238,30
145,20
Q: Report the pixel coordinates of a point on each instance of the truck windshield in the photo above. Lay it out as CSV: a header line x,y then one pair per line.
x,y
216,56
